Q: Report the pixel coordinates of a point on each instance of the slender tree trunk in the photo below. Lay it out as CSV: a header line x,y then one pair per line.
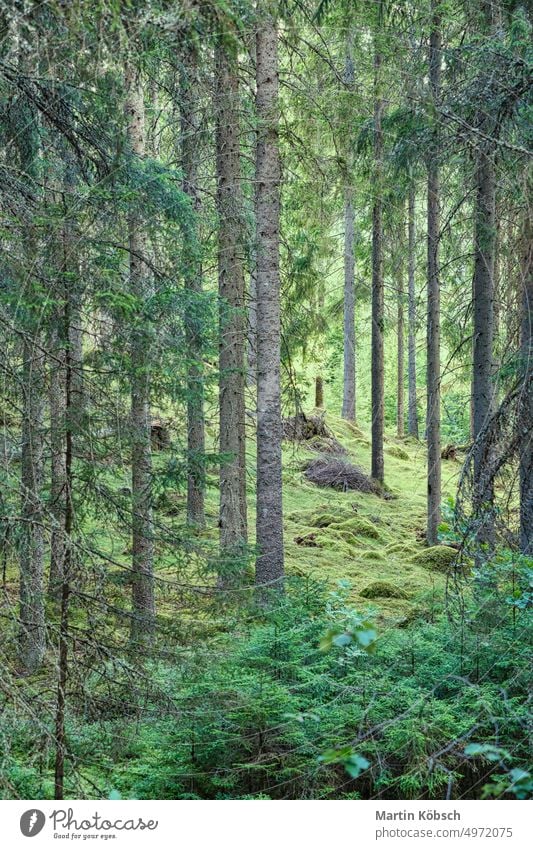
x,y
252,323
433,309
483,313
232,520
32,637
377,273
400,394
66,346
71,420
526,405
270,560
193,282
411,354
350,376
58,492
348,398
143,604
319,392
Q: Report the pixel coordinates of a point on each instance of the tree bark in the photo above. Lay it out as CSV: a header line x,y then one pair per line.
x,y
269,528
232,517
433,306
526,405
350,375
349,384
32,636
400,393
143,604
377,273
411,352
483,312
189,119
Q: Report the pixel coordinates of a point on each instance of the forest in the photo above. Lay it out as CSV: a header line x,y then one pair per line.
x,y
266,399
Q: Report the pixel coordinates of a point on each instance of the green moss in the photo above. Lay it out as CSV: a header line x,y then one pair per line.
x,y
337,542
372,556
401,548
382,589
323,520
357,526
399,453
438,558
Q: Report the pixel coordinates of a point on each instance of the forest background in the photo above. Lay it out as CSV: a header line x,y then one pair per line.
x,y
266,505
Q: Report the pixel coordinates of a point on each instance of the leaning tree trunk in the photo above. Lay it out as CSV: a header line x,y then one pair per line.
x,y
377,275
526,407
269,528
232,518
412,415
189,114
143,604
433,307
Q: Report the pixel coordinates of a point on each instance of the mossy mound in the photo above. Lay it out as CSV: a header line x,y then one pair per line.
x,y
399,453
402,548
344,544
357,526
372,556
438,558
382,589
324,520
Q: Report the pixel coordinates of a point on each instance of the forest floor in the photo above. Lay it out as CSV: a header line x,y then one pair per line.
x,y
375,544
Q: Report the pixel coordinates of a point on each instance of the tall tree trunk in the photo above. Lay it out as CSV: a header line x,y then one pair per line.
x,y
66,347
412,421
400,394
269,528
350,376
526,405
71,423
232,520
433,307
483,323
349,384
143,604
32,637
377,270
189,114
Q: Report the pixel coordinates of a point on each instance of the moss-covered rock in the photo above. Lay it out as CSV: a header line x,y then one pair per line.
x,y
357,526
438,558
399,453
382,589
